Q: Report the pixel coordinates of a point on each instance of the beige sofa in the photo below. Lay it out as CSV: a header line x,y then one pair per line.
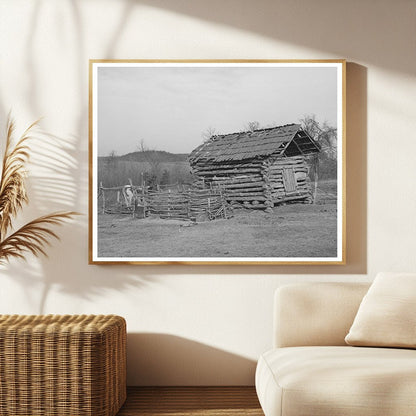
x,y
312,371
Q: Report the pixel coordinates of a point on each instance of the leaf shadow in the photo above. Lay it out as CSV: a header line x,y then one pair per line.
x,y
59,181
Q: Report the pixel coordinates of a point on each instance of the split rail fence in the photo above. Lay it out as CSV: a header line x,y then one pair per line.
x,y
180,202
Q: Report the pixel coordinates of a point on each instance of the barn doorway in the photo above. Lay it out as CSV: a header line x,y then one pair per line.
x,y
289,180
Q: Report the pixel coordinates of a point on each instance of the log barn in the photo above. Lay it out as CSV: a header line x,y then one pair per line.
x,y
258,168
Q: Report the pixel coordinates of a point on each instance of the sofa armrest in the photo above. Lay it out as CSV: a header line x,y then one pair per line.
x,y
315,313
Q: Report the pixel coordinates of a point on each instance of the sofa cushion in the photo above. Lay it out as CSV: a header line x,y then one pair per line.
x,y
315,314
342,381
387,314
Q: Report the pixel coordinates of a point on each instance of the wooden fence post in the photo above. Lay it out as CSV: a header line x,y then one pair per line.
x,y
316,178
102,190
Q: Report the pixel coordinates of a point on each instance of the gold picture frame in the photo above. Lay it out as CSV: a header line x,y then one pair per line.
x,y
251,184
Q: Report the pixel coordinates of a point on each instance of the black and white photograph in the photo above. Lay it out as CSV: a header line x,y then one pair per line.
x,y
217,162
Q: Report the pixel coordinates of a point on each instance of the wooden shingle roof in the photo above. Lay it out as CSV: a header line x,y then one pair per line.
x,y
248,145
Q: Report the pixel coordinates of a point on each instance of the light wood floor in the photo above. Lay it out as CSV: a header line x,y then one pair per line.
x,y
187,401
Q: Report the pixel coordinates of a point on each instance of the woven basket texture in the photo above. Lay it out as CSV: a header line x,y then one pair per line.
x,y
62,365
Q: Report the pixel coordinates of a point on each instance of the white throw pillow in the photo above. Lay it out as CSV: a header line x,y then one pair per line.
x,y
387,314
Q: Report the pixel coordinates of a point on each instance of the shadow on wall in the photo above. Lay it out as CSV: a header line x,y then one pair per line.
x,y
60,182
81,286
356,33
356,195
52,188
64,181
77,172
161,359
335,27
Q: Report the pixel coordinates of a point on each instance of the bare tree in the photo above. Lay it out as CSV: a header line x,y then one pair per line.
x,y
208,133
324,134
252,125
324,163
152,158
112,160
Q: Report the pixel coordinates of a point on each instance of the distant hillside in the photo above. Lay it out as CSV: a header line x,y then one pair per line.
x,y
158,155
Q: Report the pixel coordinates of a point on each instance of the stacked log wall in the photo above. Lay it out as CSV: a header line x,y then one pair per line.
x,y
240,182
257,183
279,194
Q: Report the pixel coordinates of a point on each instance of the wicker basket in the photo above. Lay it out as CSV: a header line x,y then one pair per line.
x,y
72,365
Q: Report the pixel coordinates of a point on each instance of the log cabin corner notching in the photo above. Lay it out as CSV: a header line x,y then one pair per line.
x,y
258,168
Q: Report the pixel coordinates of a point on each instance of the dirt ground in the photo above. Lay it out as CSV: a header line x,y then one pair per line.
x,y
295,230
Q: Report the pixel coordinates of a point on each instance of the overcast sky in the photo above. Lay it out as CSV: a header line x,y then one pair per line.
x,y
170,107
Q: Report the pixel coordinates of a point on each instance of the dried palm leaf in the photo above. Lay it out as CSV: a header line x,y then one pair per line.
x,y
12,183
33,237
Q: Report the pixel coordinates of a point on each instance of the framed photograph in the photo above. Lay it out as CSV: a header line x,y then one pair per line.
x,y
217,162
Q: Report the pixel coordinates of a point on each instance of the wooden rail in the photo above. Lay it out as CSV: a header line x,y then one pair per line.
x,y
170,202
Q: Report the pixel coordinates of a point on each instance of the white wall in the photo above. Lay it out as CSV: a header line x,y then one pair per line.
x,y
204,325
